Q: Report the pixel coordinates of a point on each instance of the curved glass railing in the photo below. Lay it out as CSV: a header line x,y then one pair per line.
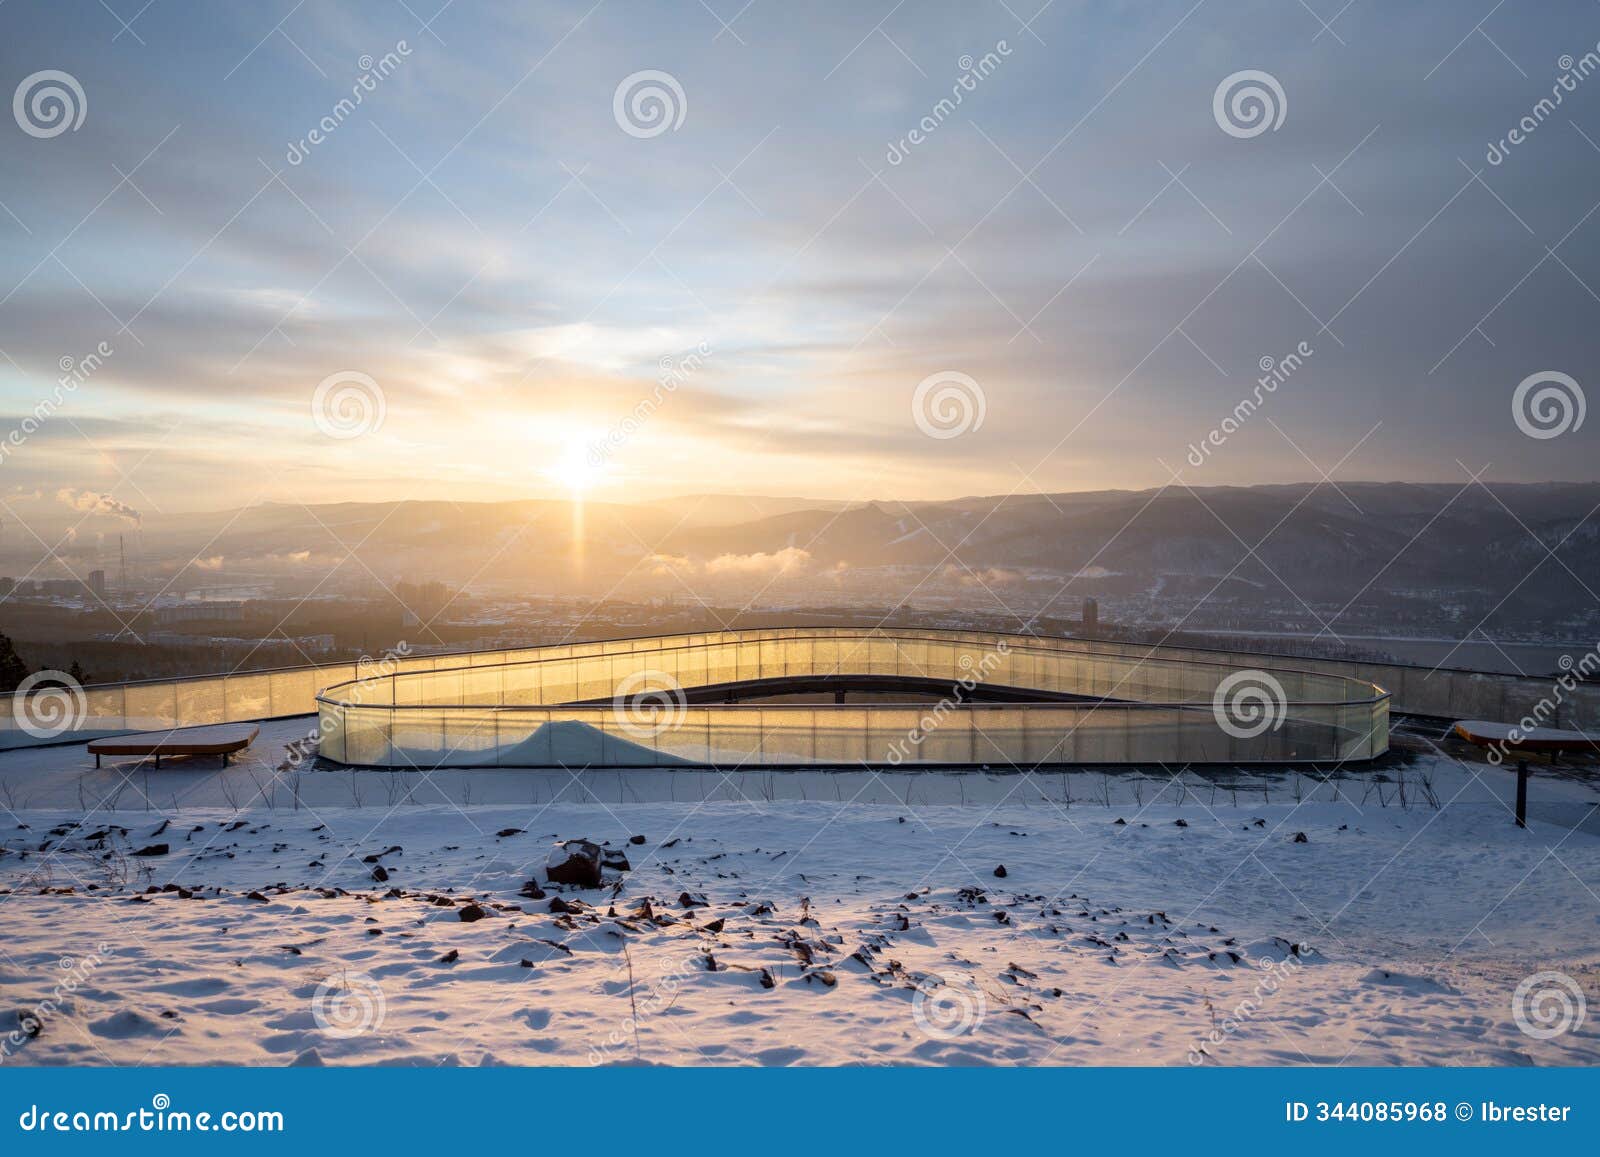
x,y
620,703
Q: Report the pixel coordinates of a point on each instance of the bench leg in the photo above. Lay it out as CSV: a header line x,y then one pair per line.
x,y
1522,793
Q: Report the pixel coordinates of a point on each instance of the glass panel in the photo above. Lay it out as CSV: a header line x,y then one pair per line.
x,y
247,696
788,734
199,702
470,738
151,706
330,732
366,736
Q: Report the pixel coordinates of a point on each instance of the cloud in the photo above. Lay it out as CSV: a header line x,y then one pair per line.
x,y
91,502
790,560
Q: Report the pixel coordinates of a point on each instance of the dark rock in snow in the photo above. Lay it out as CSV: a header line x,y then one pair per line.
x,y
636,839
28,1024
1300,838
471,913
1000,871
380,873
153,850
576,862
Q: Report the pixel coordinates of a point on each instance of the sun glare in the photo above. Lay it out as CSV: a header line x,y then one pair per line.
x,y
575,470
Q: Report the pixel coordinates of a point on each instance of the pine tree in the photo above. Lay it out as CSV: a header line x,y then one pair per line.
x,y
12,669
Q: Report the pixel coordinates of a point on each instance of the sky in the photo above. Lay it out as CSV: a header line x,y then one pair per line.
x,y
628,249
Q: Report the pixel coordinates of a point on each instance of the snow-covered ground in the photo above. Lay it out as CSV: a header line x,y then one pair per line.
x,y
794,918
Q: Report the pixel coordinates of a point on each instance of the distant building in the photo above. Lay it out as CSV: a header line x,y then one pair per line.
x,y
1091,618
422,602
201,612
97,584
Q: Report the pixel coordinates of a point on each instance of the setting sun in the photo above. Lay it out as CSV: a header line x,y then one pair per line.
x,y
575,470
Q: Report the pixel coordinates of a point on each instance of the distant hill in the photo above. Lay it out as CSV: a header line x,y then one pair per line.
x,y
1534,546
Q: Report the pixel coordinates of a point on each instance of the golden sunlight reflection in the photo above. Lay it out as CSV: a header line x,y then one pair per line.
x,y
574,471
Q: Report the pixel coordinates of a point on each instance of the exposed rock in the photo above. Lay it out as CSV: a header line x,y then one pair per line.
x,y
152,850
471,913
576,862
28,1024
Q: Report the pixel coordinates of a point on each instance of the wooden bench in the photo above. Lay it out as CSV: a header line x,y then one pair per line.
x,y
1507,739
223,739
